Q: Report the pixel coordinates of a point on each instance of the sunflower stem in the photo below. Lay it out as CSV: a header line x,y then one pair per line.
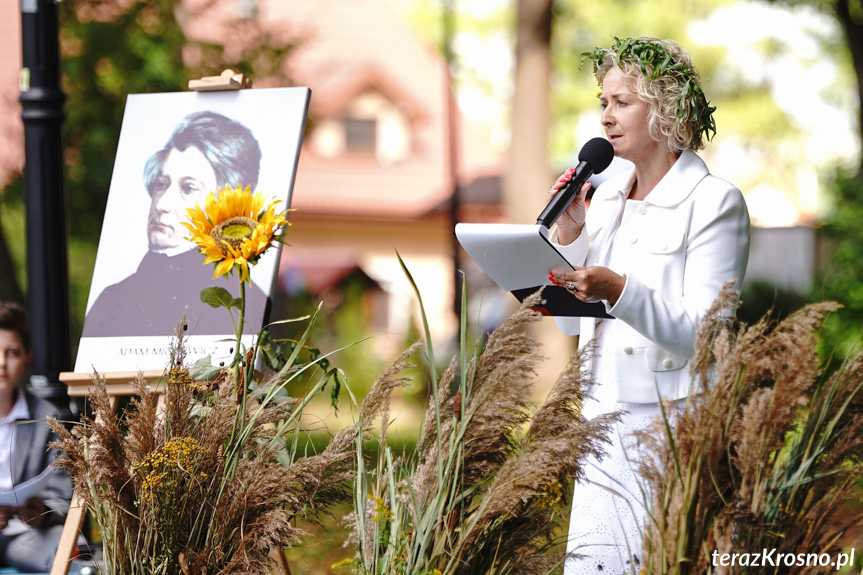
x,y
240,378
242,315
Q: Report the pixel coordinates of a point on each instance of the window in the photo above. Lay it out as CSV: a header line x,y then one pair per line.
x,y
360,135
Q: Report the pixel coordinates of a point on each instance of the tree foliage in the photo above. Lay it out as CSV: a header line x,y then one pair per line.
x,y
109,49
840,236
107,53
841,278
849,14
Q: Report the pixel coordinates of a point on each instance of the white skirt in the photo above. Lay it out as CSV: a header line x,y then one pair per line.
x,y
608,506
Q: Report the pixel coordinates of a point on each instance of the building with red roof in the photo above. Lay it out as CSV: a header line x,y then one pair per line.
x,y
376,175
11,126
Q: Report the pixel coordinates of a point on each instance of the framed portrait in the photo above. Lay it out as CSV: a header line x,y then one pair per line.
x,y
174,149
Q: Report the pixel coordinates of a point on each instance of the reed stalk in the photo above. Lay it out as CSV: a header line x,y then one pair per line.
x,y
487,489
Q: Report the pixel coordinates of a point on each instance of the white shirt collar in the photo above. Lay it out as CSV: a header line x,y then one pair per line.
x,y
19,409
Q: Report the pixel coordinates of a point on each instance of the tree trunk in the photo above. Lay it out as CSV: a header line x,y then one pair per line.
x,y
853,28
527,176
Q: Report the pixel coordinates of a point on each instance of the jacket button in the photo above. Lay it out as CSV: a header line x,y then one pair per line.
x,y
667,363
627,350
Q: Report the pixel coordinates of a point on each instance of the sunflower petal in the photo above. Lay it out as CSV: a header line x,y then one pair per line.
x,y
225,204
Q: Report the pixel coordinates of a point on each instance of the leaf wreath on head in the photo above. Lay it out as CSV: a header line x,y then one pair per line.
x,y
655,61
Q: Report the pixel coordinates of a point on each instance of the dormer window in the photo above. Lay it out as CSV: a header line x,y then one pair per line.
x,y
370,126
360,135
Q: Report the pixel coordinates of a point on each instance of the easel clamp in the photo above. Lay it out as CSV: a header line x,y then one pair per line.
x,y
227,80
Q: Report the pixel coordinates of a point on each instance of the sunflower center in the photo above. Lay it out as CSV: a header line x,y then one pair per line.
x,y
233,231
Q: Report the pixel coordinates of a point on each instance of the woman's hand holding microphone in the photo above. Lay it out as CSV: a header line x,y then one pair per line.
x,y
571,221
589,284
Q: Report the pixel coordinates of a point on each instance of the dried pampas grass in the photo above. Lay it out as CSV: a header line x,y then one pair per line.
x,y
763,457
197,487
486,490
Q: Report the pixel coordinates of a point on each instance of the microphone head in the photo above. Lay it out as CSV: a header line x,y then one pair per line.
x,y
597,152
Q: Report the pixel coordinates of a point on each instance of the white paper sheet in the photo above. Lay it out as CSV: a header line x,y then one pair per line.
x,y
515,256
19,494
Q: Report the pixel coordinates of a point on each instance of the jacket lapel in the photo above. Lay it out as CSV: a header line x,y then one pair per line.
x,y
23,439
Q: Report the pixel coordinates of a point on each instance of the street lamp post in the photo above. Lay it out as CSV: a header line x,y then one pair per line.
x,y
47,273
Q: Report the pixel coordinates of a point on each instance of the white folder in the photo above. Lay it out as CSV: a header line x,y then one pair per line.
x,y
518,258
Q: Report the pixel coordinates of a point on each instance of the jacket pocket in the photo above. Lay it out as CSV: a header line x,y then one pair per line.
x,y
666,240
643,378
657,359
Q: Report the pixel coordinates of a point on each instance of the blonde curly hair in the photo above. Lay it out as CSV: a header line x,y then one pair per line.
x,y
662,75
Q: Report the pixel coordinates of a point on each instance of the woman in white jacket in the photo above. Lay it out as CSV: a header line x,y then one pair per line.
x,y
656,245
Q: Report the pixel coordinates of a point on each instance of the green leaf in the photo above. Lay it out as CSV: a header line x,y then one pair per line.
x,y
204,369
272,354
279,395
219,297
198,410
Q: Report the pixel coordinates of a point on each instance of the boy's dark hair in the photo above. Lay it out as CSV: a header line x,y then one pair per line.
x,y
13,317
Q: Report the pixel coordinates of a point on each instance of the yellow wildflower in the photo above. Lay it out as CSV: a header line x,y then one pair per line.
x,y
551,495
382,510
179,376
344,563
234,229
180,456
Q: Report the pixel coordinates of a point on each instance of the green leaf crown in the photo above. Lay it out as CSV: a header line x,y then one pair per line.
x,y
655,61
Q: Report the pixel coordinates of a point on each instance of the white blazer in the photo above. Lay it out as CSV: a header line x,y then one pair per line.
x,y
691,237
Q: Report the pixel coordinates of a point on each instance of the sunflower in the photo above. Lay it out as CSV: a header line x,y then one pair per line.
x,y
235,229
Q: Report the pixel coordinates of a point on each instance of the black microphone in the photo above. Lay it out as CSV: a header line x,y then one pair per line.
x,y
593,158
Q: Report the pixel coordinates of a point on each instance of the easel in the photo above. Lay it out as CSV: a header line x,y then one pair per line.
x,y
120,383
117,384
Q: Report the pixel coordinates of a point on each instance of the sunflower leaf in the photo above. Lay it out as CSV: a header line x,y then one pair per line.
x,y
219,297
204,370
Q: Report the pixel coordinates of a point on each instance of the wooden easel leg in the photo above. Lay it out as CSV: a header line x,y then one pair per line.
x,y
161,404
72,528
69,537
